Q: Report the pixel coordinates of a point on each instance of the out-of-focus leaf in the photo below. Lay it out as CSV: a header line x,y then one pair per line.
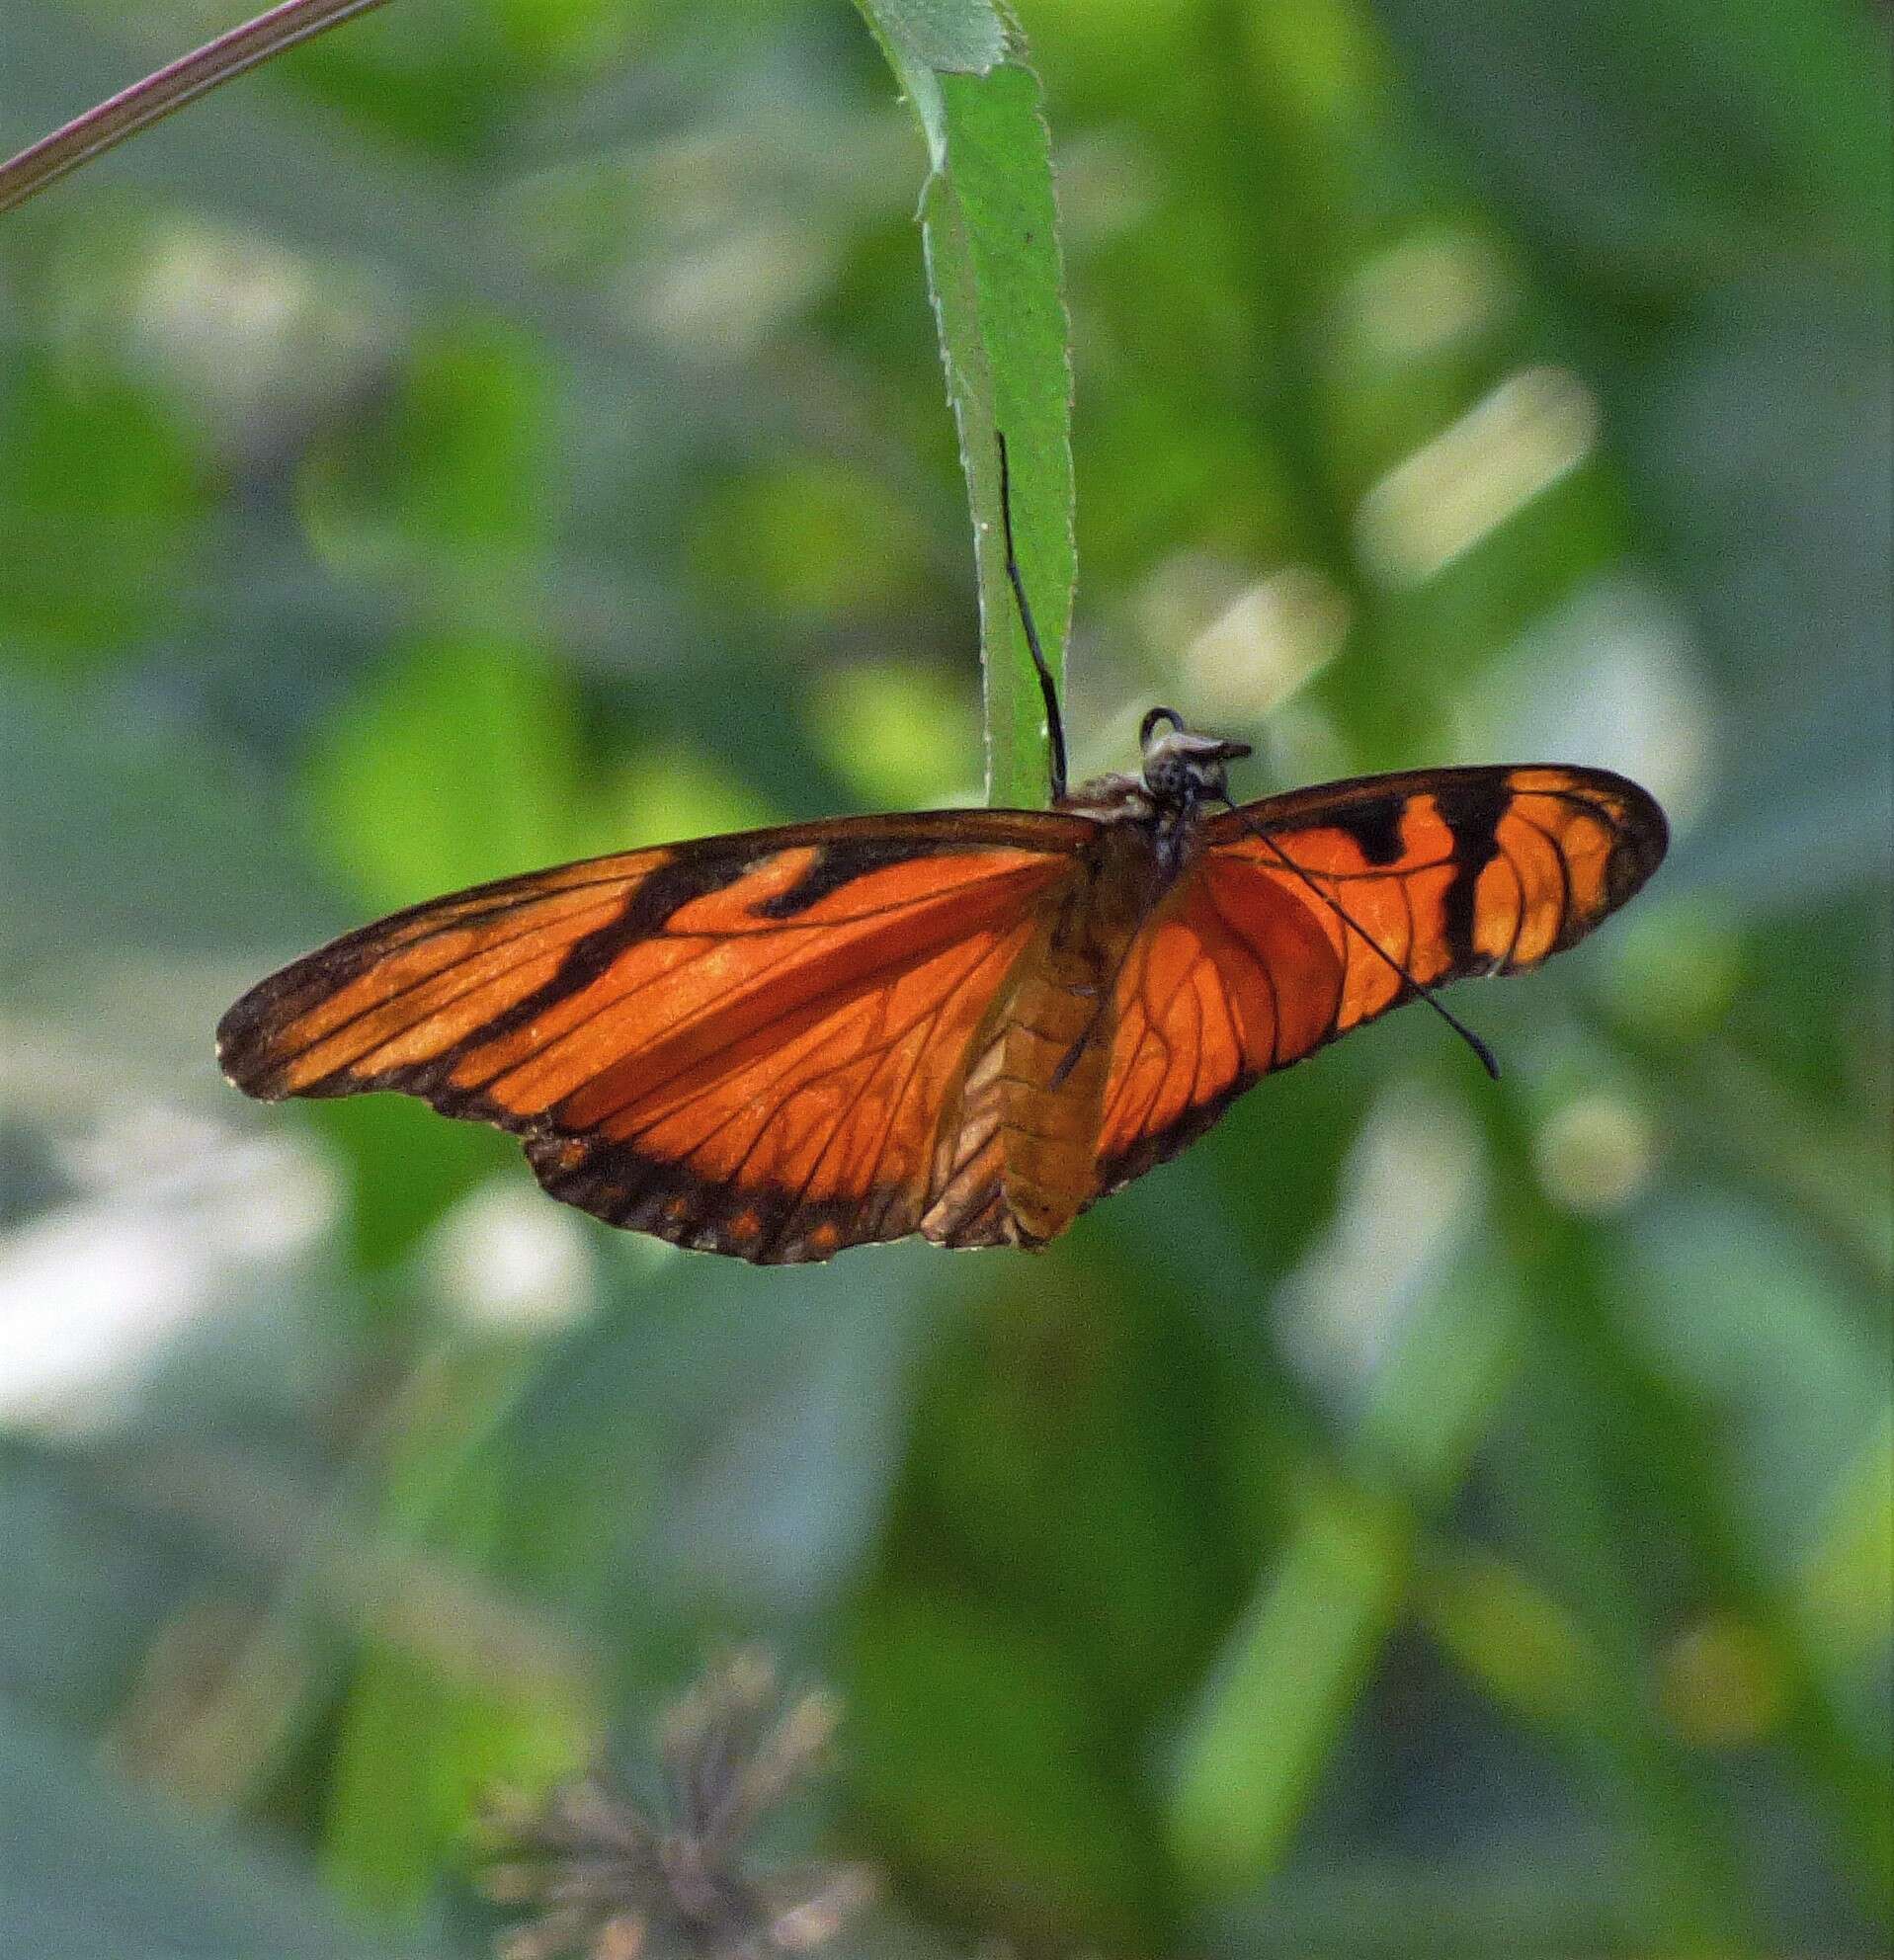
x,y
119,831
93,1872
991,228
792,1447
405,1168
707,1439
1761,438
420,1743
70,1645
737,1431
1755,426
809,539
456,764
257,158
101,493
1527,1650
1069,1463
1619,1423
451,488
896,731
1846,1578
1741,1308
1282,1695
1654,149
446,86
1285,1685
1809,71
983,1764
1558,1891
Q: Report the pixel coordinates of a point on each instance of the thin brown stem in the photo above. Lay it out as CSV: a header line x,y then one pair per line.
x,y
181,81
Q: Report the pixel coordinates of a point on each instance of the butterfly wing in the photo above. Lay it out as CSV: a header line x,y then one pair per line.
x,y
747,1044
1453,873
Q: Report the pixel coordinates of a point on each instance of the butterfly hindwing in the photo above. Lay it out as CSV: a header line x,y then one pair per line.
x,y
745,1044
1453,873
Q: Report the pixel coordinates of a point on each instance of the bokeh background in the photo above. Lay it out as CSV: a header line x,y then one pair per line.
x,y
1429,1518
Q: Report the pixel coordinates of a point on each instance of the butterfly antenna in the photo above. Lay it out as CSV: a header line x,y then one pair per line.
x,y
1419,992
1054,723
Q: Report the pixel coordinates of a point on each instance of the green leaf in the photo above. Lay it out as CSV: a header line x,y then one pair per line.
x,y
94,1871
458,765
1286,1688
433,1719
1291,1678
404,1169
101,492
1663,138
982,1756
452,489
990,224
948,36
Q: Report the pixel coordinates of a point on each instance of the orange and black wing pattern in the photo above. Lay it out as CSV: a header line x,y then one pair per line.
x,y
967,1023
745,1045
1451,872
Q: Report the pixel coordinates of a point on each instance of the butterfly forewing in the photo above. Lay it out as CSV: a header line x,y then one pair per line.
x,y
1450,872
745,1044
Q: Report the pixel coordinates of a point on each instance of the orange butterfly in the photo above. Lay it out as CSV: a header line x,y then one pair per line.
x,y
966,1023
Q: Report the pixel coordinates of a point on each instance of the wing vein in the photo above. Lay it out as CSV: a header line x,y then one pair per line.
x,y
1565,876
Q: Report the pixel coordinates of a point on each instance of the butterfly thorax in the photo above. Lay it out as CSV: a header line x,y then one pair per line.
x,y
1113,798
1182,772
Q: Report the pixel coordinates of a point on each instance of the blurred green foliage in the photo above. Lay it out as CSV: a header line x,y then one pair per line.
x,y
1429,1518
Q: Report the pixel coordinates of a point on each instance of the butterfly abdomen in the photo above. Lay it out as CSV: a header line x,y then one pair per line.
x,y
1059,1047
1054,1095
1016,1158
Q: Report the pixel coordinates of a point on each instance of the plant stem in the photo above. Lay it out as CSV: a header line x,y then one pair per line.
x,y
110,123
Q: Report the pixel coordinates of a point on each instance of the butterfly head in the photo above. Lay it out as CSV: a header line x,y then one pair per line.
x,y
1182,765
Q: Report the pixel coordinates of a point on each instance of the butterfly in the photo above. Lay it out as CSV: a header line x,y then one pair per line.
x,y
966,1023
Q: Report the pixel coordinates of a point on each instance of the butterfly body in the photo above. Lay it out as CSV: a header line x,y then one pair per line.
x,y
1056,1031
969,1024
1060,1018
